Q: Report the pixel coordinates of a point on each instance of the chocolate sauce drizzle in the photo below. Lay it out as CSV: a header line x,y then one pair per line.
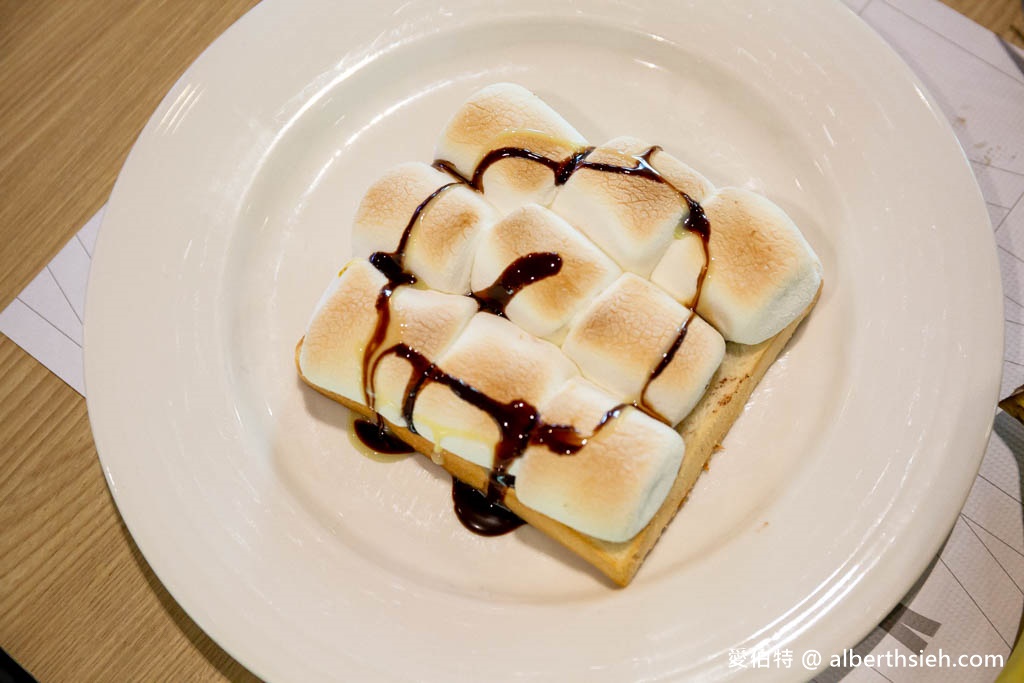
x,y
481,515
377,437
524,271
696,221
564,439
518,422
666,359
562,170
392,266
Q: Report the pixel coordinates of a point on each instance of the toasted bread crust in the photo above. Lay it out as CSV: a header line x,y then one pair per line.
x,y
704,428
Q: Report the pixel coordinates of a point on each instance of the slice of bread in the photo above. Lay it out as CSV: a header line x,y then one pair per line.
x,y
703,430
549,319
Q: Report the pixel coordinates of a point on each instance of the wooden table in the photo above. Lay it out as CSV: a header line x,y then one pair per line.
x,y
78,80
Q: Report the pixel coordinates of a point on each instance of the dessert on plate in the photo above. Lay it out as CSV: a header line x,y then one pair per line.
x,y
569,329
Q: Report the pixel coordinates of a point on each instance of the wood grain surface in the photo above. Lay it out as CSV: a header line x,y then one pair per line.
x,y
78,80
1005,18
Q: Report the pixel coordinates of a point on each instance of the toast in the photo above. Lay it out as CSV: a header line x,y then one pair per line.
x,y
571,330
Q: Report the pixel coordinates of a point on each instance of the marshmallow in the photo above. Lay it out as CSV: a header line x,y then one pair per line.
x,y
623,336
762,272
440,246
634,218
543,307
512,182
505,115
682,383
342,325
612,486
675,172
495,357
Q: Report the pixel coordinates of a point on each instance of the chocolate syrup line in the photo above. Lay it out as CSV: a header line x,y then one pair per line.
x,y
695,221
515,420
392,266
524,271
666,359
398,255
562,170
564,439
449,168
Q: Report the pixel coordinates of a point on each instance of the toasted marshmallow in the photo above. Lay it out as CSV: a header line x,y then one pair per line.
x,y
545,306
505,115
675,172
424,320
512,182
442,236
496,358
634,218
622,337
495,110
340,329
762,273
613,485
682,383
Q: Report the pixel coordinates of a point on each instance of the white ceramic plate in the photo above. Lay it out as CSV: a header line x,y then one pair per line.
x,y
310,562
